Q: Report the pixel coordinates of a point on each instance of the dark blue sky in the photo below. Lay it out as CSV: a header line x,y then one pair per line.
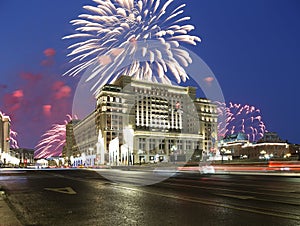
x,y
252,46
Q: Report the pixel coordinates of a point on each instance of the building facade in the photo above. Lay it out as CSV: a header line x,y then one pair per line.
x,y
140,122
208,116
70,147
22,157
231,146
85,134
270,146
4,137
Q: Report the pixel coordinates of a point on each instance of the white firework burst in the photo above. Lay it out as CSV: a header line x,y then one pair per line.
x,y
13,139
118,30
12,134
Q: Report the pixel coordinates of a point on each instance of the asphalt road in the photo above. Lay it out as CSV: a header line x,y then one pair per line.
x,y
85,197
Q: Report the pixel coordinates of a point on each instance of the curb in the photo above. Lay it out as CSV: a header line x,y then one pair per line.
x,y
7,216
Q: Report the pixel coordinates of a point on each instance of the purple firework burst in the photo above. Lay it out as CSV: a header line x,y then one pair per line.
x,y
240,118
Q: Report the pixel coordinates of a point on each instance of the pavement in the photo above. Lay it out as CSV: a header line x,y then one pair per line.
x,y
7,216
221,200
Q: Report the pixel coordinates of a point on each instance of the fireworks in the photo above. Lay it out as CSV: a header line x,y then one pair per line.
x,y
241,118
119,30
52,141
13,139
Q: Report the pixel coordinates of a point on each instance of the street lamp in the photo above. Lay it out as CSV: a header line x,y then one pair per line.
x,y
223,150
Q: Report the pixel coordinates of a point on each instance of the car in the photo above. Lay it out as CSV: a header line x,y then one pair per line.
x,y
207,169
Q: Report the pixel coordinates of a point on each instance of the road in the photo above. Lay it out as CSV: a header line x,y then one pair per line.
x,y
85,197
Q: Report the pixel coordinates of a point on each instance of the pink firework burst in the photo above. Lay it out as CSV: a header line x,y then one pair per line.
x,y
53,140
240,118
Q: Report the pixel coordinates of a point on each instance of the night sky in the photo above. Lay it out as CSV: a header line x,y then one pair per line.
x,y
252,46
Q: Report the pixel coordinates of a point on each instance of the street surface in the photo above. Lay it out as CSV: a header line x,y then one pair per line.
x,y
85,197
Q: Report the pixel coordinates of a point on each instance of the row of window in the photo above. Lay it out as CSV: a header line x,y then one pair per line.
x,y
110,99
156,92
173,145
208,119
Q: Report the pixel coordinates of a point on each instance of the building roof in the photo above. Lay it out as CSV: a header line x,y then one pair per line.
x,y
271,137
235,137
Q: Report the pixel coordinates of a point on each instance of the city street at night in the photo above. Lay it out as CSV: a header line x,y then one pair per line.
x,y
84,197
150,113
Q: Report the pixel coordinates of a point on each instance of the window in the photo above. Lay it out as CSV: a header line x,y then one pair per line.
x,y
151,144
142,144
161,146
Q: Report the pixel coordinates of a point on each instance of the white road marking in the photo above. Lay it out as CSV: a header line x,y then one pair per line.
x,y
66,190
236,196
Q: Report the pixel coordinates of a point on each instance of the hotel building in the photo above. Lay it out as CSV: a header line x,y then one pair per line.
x,y
138,122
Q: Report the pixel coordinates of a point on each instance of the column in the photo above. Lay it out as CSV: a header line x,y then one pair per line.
x,y
167,150
137,112
147,150
142,111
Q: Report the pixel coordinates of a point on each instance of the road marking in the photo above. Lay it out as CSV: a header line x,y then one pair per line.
x,y
283,189
66,190
236,196
234,190
248,209
242,196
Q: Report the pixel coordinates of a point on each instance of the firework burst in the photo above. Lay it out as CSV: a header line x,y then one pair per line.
x,y
13,139
116,30
241,118
52,141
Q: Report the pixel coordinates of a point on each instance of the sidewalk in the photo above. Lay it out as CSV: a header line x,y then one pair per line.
x,y
7,216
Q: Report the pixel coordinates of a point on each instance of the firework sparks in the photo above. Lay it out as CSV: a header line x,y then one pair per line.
x,y
13,139
115,30
53,140
241,118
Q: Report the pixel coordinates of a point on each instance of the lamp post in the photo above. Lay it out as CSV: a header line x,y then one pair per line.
x,y
223,150
174,150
